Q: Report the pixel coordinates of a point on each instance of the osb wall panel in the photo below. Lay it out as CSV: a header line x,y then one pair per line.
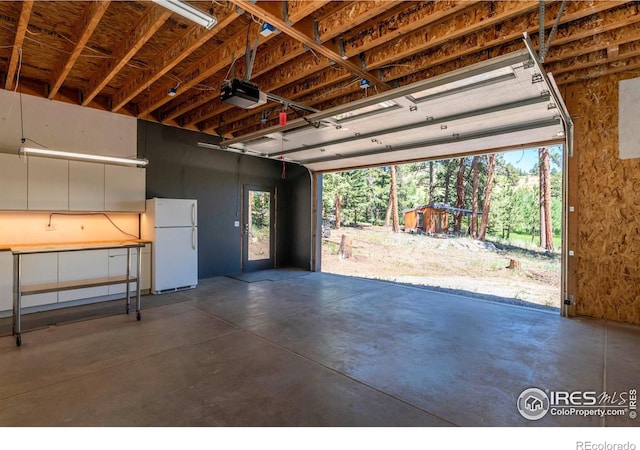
x,y
608,206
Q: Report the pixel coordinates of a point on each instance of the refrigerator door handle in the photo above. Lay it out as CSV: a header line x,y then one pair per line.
x,y
193,214
193,238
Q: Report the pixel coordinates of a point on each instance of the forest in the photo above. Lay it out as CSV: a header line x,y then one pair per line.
x,y
503,201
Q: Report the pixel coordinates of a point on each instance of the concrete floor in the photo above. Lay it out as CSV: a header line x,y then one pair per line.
x,y
314,350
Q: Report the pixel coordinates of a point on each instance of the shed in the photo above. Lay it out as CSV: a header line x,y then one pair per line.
x,y
431,218
426,219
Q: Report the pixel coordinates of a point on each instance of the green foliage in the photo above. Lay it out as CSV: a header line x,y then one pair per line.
x,y
515,200
260,209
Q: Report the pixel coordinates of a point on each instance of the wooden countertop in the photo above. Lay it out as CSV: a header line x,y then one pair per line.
x,y
47,247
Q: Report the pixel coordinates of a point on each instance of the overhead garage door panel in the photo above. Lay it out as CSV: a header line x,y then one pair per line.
x,y
499,104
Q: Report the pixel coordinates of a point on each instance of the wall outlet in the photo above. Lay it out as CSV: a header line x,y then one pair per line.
x,y
236,224
50,227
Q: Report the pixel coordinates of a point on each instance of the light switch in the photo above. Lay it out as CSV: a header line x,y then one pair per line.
x,y
236,224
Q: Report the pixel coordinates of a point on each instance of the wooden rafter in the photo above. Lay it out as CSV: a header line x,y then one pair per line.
x,y
299,10
21,29
597,58
433,56
307,65
274,56
590,44
267,58
84,28
135,38
233,48
317,58
266,13
412,19
352,15
448,22
439,61
628,65
195,37
509,32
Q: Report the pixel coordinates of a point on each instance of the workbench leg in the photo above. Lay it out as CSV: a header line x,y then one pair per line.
x,y
138,281
17,298
127,285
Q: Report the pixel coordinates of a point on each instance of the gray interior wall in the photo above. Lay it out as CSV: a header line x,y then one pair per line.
x,y
178,168
299,226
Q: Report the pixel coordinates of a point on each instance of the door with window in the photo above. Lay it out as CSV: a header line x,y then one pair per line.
x,y
259,225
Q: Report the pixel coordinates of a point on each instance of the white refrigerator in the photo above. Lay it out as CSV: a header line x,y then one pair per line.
x,y
172,227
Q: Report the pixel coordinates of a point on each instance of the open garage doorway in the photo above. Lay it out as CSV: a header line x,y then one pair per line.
x,y
486,226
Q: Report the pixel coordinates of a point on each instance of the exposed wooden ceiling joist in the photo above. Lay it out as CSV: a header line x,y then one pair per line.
x,y
226,55
83,30
457,49
21,29
324,48
298,10
195,37
411,20
267,13
351,16
271,57
134,39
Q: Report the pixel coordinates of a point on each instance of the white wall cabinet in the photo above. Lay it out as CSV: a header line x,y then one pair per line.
x,y
6,280
82,265
48,184
13,182
124,188
86,186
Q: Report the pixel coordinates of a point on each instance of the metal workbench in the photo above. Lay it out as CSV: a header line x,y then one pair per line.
x,y
19,290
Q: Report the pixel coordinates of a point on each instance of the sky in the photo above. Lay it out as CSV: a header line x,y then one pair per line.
x,y
522,159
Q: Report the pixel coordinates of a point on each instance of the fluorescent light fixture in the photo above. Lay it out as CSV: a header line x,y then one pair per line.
x,y
189,12
81,156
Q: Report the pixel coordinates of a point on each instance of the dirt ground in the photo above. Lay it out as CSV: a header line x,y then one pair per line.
x,y
462,265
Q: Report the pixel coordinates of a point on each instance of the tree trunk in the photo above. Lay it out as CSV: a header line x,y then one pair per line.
x,y
346,250
338,209
457,217
387,217
394,201
546,230
431,184
487,198
474,201
447,183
